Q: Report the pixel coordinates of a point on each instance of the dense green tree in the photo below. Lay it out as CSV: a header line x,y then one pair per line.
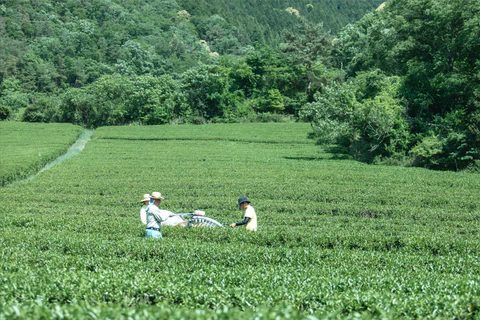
x,y
119,99
105,62
435,48
272,72
219,35
262,22
307,46
206,88
12,94
134,60
364,115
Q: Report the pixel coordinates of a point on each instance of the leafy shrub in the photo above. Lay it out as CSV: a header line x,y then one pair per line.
x,y
363,115
116,99
452,143
274,101
44,108
270,117
77,107
331,113
33,114
5,112
427,151
206,90
441,95
12,94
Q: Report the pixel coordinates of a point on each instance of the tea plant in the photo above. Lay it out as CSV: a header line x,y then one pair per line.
x,y
26,147
336,238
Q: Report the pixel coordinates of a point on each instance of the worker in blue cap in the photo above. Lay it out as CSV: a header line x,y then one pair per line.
x,y
249,215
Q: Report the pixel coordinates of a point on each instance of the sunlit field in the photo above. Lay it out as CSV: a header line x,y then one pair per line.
x,y
26,147
336,238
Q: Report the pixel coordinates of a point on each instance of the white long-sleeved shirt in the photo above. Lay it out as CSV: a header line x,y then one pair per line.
x,y
250,213
143,214
155,216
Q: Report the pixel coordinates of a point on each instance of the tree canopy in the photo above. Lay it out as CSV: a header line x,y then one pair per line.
x,y
51,50
433,49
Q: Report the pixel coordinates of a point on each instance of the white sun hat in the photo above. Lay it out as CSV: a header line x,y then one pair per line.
x,y
157,196
146,197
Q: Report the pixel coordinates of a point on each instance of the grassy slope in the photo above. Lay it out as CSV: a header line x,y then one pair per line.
x,y
26,147
335,237
266,132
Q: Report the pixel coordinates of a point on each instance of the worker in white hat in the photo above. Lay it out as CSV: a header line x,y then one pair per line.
x,y
155,216
143,209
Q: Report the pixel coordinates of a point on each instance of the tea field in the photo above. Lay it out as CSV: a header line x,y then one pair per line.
x,y
336,238
27,147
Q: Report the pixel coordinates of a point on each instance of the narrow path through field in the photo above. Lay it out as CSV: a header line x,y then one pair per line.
x,y
74,149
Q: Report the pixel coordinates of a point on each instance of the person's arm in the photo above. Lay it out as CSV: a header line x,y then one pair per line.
x,y
143,215
159,216
245,220
165,214
249,212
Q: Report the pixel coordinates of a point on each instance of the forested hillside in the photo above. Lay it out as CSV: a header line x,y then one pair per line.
x,y
51,47
412,89
250,21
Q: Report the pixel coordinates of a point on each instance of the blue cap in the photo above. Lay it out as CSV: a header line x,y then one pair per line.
x,y
243,199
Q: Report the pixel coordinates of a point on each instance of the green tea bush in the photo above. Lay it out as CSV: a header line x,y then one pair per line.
x,y
336,239
28,147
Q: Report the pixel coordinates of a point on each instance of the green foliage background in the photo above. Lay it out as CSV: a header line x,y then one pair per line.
x,y
432,49
400,85
49,47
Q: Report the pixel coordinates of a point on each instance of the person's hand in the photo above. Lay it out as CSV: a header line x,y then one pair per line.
x,y
233,225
